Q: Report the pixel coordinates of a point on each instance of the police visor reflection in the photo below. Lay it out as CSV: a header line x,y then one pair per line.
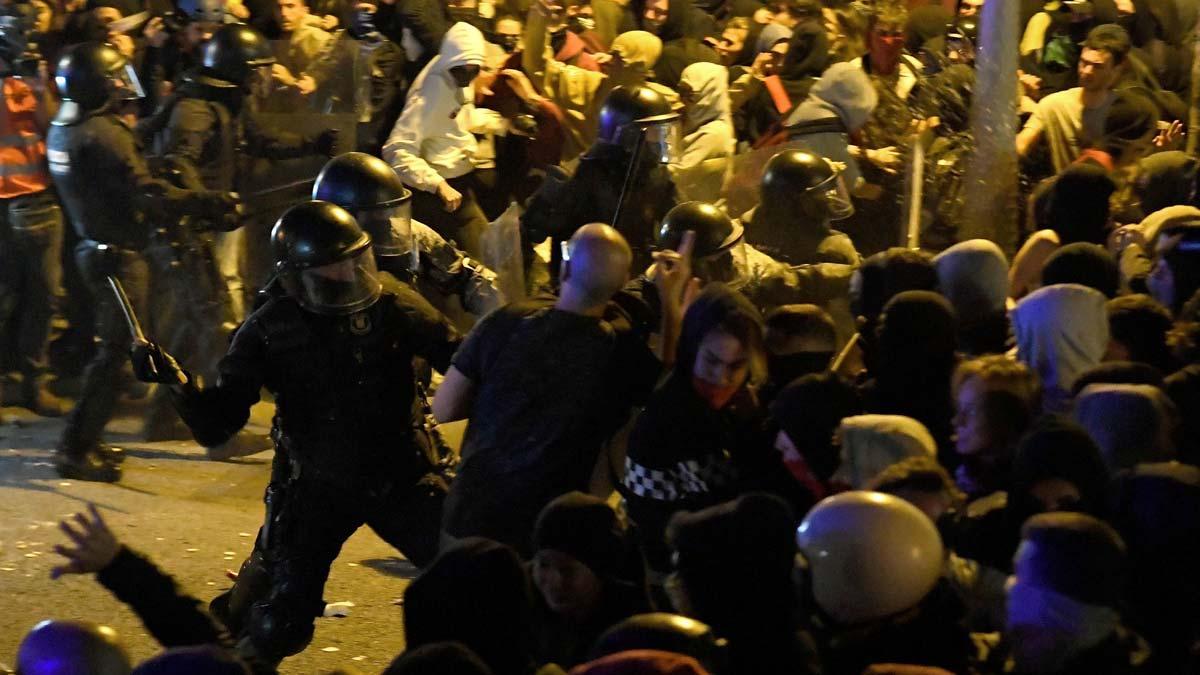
x,y
390,228
341,287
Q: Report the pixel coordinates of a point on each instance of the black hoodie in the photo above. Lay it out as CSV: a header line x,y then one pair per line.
x,y
682,36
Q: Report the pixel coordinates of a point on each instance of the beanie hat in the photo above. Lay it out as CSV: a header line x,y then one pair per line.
x,y
585,528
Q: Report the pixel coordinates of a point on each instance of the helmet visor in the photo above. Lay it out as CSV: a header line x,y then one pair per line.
x,y
663,140
342,287
390,228
126,85
837,197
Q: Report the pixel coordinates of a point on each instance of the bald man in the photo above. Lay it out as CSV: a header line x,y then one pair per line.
x,y
544,383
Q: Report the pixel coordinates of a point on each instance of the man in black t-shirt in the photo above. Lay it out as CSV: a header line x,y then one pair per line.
x,y
545,383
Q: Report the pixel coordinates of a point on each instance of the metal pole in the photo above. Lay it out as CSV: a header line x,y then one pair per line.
x,y
1193,140
991,180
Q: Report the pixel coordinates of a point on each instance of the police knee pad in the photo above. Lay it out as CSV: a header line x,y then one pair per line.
x,y
279,630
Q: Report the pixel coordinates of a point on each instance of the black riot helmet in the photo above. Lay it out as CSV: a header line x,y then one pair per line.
x,y
57,646
371,191
636,114
809,182
715,232
324,259
202,11
666,632
91,77
232,55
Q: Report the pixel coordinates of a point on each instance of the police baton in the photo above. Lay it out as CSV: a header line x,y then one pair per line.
x,y
131,321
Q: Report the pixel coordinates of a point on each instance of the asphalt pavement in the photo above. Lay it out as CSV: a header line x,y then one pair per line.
x,y
196,519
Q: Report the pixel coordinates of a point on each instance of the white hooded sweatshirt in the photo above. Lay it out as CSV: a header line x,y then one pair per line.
x,y
708,141
433,139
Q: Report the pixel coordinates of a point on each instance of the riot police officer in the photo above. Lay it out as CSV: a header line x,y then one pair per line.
x,y
722,254
801,192
411,251
112,200
622,179
207,126
336,351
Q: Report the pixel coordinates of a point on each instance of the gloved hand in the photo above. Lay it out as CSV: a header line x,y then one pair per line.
x,y
151,363
235,209
325,142
525,125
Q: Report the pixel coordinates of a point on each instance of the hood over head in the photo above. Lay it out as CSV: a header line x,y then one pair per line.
x,y
872,443
463,45
1132,423
709,83
638,48
1062,331
848,91
973,275
769,35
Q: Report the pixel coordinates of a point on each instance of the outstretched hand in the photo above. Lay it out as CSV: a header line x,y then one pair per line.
x,y
95,545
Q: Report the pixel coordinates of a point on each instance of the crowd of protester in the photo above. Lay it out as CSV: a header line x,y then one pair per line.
x,y
750,433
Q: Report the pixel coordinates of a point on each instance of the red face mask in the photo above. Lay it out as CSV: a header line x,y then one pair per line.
x,y
715,396
885,52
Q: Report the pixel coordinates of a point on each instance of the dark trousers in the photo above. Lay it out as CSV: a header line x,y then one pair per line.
x,y
278,593
30,278
98,396
464,226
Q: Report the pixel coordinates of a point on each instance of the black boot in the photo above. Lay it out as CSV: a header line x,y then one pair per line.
x,y
90,465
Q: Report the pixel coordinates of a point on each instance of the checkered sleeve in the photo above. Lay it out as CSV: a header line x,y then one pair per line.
x,y
677,482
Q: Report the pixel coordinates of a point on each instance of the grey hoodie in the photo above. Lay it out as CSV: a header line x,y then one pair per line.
x,y
845,94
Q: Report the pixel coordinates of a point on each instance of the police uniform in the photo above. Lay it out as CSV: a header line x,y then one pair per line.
x,y
112,200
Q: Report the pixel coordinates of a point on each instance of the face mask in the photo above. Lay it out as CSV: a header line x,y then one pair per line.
x,y
885,53
581,24
508,43
715,396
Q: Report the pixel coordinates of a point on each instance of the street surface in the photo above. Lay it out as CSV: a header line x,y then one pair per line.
x,y
196,519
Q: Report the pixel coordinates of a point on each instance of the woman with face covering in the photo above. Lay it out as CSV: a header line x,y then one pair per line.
x,y
708,137
915,356
689,444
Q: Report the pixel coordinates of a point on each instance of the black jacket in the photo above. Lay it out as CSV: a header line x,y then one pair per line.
x,y
345,397
207,129
172,617
682,36
591,196
106,187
